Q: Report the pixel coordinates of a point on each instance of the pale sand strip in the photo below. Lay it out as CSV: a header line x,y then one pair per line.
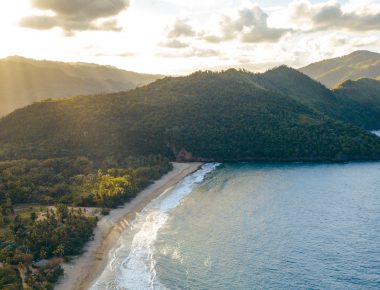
x,y
82,271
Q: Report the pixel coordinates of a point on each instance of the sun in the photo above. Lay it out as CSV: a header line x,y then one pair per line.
x,y
10,14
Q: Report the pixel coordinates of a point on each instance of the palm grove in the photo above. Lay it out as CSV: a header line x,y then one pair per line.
x,y
58,232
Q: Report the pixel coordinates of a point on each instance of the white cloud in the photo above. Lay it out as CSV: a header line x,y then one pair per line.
x,y
178,36
332,16
256,38
76,15
251,26
175,43
247,25
181,27
191,52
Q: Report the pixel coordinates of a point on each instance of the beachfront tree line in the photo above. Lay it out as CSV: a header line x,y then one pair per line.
x,y
54,228
78,181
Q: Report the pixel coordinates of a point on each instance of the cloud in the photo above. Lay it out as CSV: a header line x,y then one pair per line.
x,y
191,52
76,15
180,28
355,42
197,52
174,43
250,26
121,54
331,15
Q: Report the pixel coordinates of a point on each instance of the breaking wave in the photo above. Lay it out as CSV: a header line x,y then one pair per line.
x,y
137,270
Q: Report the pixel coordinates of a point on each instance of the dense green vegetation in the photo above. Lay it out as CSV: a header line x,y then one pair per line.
x,y
9,278
78,181
356,102
57,232
303,89
363,102
31,233
234,115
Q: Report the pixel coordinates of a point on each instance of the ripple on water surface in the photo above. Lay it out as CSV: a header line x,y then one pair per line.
x,y
255,226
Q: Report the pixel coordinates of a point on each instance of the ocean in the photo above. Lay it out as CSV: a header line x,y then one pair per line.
x,y
256,226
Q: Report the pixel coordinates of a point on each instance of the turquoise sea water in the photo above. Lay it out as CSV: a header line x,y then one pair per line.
x,y
257,226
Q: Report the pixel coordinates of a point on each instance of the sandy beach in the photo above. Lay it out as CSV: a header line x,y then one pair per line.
x,y
83,270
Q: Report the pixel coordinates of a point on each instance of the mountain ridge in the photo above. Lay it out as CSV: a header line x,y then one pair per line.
x,y
25,80
332,72
208,116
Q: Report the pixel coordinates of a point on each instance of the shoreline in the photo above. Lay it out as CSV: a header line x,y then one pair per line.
x,y
81,273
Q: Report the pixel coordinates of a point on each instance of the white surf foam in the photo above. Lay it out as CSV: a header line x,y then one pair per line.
x,y
137,271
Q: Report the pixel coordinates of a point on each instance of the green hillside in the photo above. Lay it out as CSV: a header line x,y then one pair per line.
x,y
362,99
24,81
303,89
225,116
356,102
332,72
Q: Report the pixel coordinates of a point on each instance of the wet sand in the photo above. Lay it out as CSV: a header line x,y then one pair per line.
x,y
83,270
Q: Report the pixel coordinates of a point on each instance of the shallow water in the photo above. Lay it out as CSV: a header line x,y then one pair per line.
x,y
377,132
255,226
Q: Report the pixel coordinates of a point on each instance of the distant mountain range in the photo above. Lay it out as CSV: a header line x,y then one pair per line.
x,y
279,115
332,72
24,81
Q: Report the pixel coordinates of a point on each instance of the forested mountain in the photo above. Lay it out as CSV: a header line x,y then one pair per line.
x,y
362,101
303,89
231,115
332,72
356,102
24,81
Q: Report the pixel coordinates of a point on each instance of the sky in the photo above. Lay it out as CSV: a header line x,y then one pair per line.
x,y
181,36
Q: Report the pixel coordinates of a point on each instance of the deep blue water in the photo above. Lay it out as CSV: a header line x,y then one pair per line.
x,y
257,226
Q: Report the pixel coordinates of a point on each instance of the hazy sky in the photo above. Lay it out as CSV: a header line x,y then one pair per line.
x,y
180,36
